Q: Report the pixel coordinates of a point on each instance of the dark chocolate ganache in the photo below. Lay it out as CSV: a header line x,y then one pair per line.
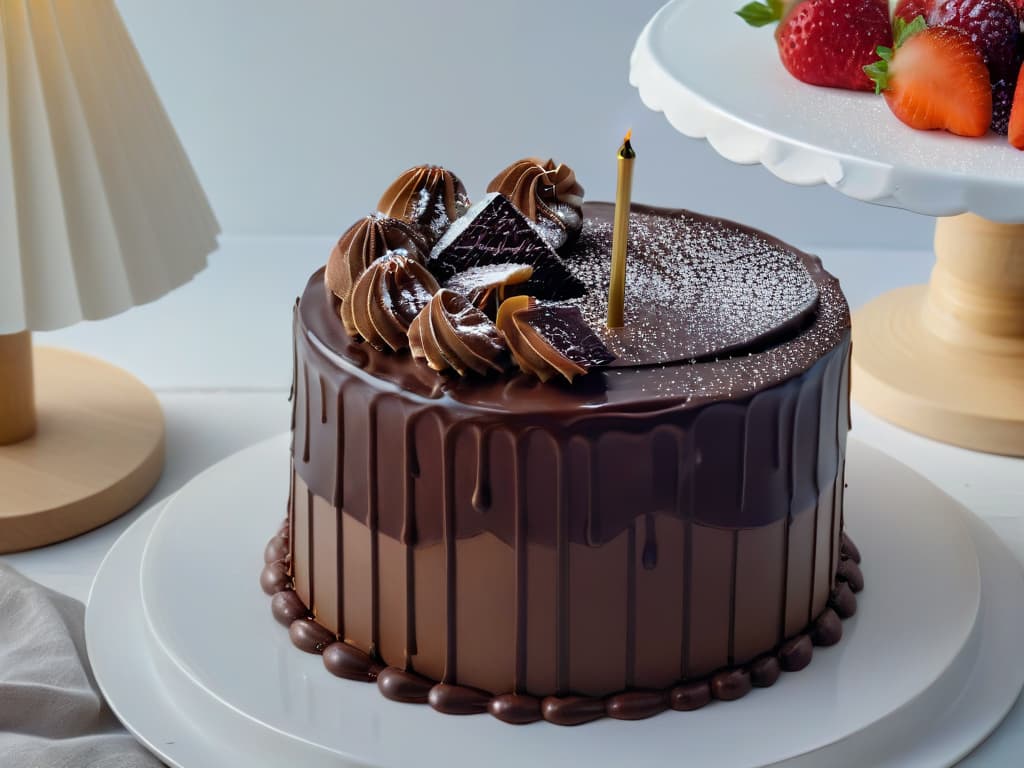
x,y
743,434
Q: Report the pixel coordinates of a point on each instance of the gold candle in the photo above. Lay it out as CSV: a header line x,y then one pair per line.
x,y
620,235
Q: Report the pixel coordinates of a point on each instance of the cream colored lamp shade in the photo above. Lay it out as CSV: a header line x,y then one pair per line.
x,y
100,211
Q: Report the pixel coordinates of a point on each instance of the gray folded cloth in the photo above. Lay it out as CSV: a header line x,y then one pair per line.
x,y
52,714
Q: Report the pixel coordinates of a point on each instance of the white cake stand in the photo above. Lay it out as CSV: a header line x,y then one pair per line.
x,y
945,360
183,645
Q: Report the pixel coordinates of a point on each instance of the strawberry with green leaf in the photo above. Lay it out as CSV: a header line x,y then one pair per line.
x,y
934,78
825,42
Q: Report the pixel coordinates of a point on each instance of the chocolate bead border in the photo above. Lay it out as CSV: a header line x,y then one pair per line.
x,y
727,684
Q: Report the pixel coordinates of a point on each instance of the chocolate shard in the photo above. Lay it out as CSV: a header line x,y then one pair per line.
x,y
566,331
495,232
480,284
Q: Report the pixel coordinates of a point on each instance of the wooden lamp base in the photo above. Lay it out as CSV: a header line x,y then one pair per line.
x,y
96,446
946,360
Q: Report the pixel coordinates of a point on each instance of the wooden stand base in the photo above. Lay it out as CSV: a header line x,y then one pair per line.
x,y
946,360
97,451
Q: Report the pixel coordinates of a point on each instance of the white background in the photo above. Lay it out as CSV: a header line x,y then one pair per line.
x,y
298,113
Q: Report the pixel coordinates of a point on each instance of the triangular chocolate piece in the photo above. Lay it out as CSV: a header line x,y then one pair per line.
x,y
565,330
494,232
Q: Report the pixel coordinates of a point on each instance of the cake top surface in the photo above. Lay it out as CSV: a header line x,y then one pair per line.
x,y
695,289
715,310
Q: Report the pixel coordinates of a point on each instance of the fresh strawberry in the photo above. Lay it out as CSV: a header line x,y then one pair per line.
x,y
1016,127
992,25
826,42
908,10
935,79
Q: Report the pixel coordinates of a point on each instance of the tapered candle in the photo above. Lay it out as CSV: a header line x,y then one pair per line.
x,y
620,235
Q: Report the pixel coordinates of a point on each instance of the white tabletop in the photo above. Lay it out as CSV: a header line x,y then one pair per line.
x,y
217,352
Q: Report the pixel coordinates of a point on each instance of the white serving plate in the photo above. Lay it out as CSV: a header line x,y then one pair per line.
x,y
212,651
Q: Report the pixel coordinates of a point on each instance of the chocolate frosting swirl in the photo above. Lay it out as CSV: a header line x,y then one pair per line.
x,y
364,242
427,196
451,333
387,297
545,193
531,351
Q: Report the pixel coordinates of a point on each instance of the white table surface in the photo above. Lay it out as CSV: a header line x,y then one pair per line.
x,y
217,352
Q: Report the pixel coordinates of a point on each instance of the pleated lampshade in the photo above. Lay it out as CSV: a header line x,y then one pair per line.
x,y
100,209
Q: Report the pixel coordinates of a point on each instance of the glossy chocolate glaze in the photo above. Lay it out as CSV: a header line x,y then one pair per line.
x,y
644,526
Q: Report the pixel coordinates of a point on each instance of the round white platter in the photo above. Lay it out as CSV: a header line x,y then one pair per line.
x,y
718,79
193,636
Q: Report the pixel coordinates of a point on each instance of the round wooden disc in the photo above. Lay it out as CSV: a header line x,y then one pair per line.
x,y
98,451
957,394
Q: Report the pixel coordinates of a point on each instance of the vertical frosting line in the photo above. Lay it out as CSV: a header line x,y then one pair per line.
x,y
309,542
731,647
790,490
409,538
521,575
593,493
339,457
562,574
323,399
683,478
481,491
631,604
291,521
305,406
839,470
371,521
817,499
339,548
292,392
448,535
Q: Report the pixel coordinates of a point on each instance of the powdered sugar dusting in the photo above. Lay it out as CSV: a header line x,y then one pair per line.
x,y
696,289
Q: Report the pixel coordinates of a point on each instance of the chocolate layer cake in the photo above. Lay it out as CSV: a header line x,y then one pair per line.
x,y
662,531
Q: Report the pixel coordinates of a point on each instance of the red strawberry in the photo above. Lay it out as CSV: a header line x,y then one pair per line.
x,y
935,79
826,42
908,10
1016,133
992,25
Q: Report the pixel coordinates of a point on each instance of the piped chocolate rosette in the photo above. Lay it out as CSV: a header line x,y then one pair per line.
x,y
470,289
